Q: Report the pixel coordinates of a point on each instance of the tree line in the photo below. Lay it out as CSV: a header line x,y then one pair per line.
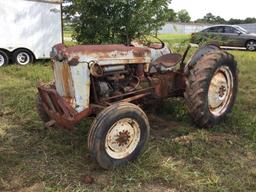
x,y
184,17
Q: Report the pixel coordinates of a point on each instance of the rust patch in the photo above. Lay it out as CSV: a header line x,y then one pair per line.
x,y
87,49
136,97
123,138
59,110
66,80
105,54
138,94
74,61
164,84
169,84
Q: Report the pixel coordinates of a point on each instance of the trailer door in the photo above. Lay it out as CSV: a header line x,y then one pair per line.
x,y
52,26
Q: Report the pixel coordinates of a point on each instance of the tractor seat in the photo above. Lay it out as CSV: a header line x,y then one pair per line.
x,y
169,60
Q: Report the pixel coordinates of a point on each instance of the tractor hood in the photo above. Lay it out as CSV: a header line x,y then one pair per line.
x,y
101,54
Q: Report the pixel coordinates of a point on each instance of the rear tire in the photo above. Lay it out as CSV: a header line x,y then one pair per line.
x,y
251,45
118,134
201,52
4,59
211,88
23,57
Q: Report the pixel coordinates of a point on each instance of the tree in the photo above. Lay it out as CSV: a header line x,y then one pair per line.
x,y
172,15
115,21
183,16
210,18
235,21
250,20
220,20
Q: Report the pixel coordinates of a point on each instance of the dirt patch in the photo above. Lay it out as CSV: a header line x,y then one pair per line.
x,y
161,127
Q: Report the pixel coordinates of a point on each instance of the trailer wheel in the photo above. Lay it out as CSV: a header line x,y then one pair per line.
x,y
23,57
4,59
118,134
40,110
211,88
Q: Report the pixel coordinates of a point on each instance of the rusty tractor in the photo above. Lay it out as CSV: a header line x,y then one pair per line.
x,y
110,82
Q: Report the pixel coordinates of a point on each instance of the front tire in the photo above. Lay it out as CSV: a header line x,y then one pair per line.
x,y
23,57
118,134
251,45
211,88
4,59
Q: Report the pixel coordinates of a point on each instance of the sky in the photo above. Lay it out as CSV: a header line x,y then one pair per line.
x,y
238,9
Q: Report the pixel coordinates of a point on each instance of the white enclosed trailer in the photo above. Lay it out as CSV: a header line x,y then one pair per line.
x,y
29,29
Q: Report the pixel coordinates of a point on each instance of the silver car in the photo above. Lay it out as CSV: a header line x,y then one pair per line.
x,y
226,35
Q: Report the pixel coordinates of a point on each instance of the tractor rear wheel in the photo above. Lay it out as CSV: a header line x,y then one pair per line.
x,y
211,88
118,134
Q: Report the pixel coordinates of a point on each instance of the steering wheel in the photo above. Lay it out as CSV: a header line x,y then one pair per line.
x,y
151,44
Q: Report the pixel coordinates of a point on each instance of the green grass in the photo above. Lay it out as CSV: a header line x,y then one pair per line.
x,y
174,38
67,34
68,31
178,157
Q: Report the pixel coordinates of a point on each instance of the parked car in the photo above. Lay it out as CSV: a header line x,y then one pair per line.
x,y
226,35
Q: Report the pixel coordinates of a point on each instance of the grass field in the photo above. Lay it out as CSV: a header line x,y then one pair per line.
x,y
178,157
175,38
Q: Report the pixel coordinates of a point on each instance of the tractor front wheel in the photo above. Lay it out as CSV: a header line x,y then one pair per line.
x,y
211,88
118,134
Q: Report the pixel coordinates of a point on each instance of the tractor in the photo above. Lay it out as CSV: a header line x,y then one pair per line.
x,y
114,82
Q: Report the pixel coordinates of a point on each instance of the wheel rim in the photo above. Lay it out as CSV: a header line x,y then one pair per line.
x,y
251,46
23,58
1,60
122,138
220,91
